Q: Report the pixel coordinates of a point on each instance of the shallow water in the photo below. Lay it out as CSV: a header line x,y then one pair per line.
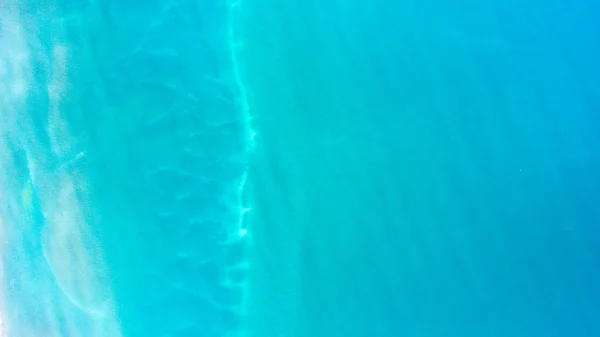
x,y
129,132
299,168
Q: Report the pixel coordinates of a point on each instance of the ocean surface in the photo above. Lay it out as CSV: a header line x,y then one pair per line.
x,y
288,168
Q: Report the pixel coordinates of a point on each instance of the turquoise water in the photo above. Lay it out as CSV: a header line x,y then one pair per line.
x,y
125,134
431,167
299,168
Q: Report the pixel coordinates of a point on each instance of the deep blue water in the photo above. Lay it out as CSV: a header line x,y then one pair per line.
x,y
299,168
434,165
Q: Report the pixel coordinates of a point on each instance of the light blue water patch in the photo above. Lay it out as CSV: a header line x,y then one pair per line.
x,y
125,134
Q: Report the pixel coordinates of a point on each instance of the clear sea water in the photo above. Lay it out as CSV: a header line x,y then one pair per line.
x,y
287,168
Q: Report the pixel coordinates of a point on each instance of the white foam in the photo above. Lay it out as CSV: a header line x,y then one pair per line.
x,y
14,67
13,91
72,252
